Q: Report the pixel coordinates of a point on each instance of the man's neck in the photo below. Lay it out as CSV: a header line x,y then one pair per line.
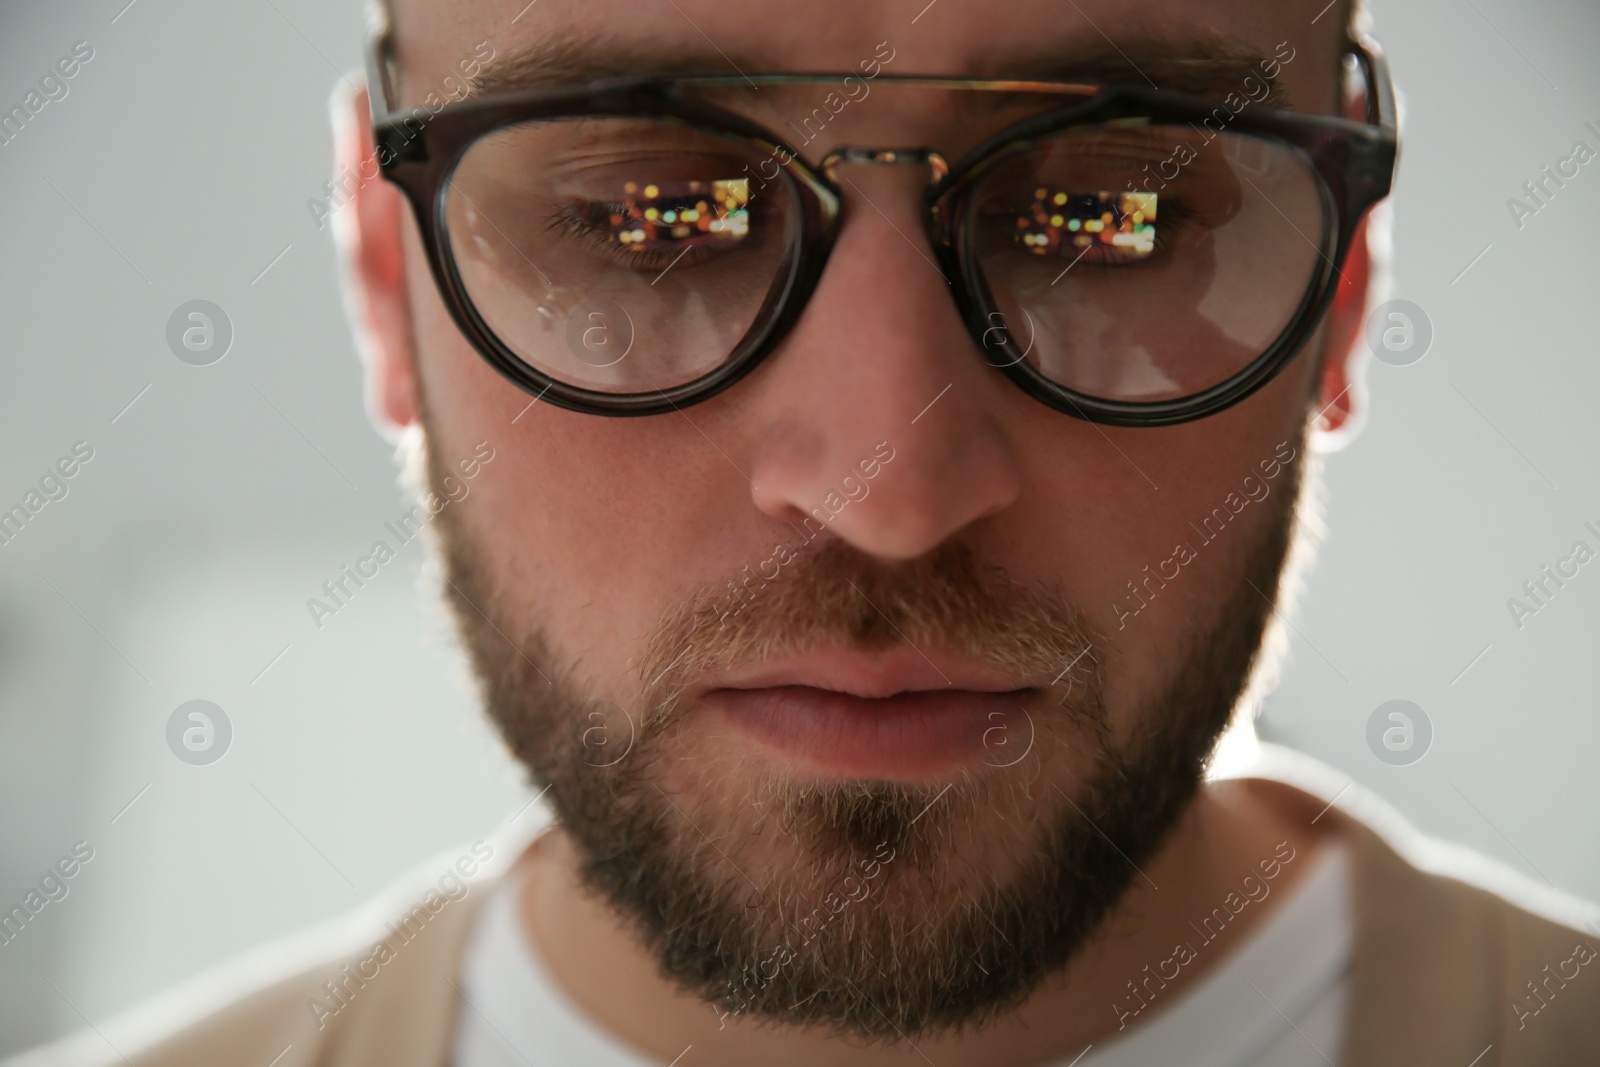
x,y
1235,829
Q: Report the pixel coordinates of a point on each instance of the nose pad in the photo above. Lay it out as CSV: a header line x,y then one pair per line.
x,y
937,165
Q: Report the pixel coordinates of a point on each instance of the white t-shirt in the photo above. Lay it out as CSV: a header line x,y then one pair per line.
x,y
1277,1001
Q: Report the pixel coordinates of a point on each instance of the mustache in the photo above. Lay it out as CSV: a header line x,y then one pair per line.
x,y
948,599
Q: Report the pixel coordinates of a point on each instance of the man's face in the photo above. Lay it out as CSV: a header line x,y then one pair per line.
x,y
992,658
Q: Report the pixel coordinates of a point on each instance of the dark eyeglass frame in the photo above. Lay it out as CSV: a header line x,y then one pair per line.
x,y
1354,161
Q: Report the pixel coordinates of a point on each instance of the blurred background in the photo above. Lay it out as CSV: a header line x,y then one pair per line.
x,y
177,167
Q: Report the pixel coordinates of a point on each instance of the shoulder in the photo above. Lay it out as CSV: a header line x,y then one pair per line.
x,y
1453,950
369,986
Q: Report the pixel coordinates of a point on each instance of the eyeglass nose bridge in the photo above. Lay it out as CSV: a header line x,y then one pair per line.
x,y
860,154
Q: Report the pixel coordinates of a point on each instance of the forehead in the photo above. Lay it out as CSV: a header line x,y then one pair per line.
x,y
1133,40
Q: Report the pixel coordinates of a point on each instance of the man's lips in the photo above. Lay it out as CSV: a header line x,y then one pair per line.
x,y
886,672
907,736
899,714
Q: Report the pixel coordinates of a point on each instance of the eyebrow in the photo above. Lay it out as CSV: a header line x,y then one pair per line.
x,y
1198,63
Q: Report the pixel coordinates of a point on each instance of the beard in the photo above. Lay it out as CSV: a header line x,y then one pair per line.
x,y
878,909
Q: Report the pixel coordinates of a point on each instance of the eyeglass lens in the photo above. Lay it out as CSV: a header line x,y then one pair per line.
x,y
1124,261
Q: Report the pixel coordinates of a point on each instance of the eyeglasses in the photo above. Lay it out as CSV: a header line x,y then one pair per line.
x,y
1125,255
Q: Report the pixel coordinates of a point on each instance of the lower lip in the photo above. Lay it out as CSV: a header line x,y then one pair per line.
x,y
904,737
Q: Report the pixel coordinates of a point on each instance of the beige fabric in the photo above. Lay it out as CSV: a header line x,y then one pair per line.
x,y
1446,942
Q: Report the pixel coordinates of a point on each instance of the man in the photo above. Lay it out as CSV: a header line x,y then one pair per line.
x,y
882,507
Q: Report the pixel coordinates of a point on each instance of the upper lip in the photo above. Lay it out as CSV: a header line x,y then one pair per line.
x,y
875,673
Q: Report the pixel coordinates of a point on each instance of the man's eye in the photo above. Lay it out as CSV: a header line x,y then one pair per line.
x,y
646,219
1118,228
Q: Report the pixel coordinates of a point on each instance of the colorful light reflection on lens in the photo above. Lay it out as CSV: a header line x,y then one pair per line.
x,y
681,214
1066,223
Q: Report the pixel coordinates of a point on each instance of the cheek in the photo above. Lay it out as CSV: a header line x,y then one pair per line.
x,y
588,528
467,399
1091,520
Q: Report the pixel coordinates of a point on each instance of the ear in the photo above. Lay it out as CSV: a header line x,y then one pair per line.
x,y
1342,386
367,234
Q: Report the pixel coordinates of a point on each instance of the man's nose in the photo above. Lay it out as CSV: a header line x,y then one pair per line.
x,y
880,364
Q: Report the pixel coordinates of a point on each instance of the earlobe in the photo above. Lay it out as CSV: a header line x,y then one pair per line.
x,y
1342,391
367,231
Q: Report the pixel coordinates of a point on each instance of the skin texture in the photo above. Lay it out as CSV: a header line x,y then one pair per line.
x,y
599,526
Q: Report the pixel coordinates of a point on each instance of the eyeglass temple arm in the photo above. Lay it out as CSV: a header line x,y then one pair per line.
x,y
1379,85
380,87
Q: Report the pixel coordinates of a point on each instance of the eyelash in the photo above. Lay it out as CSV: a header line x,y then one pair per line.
x,y
589,221
1173,216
